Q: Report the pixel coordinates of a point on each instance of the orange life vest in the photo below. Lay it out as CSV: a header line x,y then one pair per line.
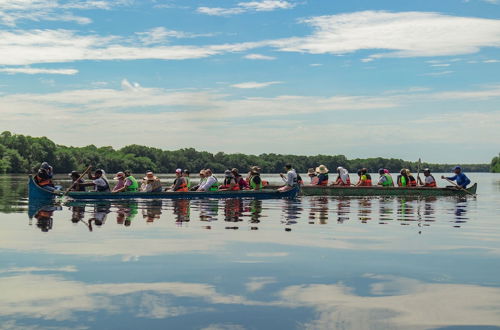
x,y
412,181
183,187
41,182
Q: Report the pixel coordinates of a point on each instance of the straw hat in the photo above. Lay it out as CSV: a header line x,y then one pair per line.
x,y
255,169
322,169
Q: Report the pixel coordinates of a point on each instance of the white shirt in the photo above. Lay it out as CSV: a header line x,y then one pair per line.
x,y
208,183
291,178
99,182
429,179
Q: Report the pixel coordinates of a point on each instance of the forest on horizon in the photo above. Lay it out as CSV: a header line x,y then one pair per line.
x,y
23,154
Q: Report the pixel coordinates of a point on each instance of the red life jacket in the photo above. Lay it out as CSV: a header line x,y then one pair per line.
x,y
432,184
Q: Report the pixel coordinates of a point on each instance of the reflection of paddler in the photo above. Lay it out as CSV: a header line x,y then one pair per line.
x,y
78,212
44,218
232,210
100,213
343,209
182,210
255,210
209,209
152,211
364,209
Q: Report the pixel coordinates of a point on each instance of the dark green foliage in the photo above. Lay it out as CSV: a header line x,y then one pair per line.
x,y
495,164
22,154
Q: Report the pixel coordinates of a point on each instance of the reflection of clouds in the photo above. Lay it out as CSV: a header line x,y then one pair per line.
x,y
421,305
258,283
52,297
394,302
224,326
65,269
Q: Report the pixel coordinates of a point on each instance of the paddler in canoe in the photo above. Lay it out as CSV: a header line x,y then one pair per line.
x,y
365,178
461,179
342,178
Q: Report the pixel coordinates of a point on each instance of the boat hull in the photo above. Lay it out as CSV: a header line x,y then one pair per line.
x,y
385,191
36,192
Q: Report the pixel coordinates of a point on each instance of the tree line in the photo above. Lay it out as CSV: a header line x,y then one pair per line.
x,y
23,154
495,164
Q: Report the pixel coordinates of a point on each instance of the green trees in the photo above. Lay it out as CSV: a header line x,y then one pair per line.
x,y
22,154
495,164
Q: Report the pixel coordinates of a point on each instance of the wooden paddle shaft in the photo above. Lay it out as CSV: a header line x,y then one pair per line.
x,y
81,176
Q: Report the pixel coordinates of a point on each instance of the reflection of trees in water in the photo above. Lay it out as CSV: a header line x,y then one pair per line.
x,y
318,208
12,192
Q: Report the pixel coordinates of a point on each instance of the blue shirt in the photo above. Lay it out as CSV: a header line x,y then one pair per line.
x,y
462,179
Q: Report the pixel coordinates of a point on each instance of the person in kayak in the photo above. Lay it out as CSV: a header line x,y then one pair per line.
x,y
461,179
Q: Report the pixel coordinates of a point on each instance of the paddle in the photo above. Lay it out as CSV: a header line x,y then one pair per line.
x,y
77,180
460,188
418,171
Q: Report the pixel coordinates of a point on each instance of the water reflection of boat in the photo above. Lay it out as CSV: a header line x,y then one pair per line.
x,y
36,192
152,210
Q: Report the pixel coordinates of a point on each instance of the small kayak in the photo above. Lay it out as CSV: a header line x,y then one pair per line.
x,y
37,192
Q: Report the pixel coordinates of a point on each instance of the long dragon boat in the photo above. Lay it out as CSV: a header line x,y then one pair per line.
x,y
353,191
37,192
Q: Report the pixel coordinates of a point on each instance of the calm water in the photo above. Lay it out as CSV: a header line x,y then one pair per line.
x,y
314,263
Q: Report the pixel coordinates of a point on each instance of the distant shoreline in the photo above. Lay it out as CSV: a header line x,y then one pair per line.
x,y
23,154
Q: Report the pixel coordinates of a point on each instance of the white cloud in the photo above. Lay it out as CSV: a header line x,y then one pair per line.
x,y
315,64
259,57
491,61
12,11
160,35
56,46
217,11
441,65
266,5
242,7
403,34
28,70
438,73
253,84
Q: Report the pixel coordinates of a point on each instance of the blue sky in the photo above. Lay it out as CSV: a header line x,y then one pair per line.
x,y
405,79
